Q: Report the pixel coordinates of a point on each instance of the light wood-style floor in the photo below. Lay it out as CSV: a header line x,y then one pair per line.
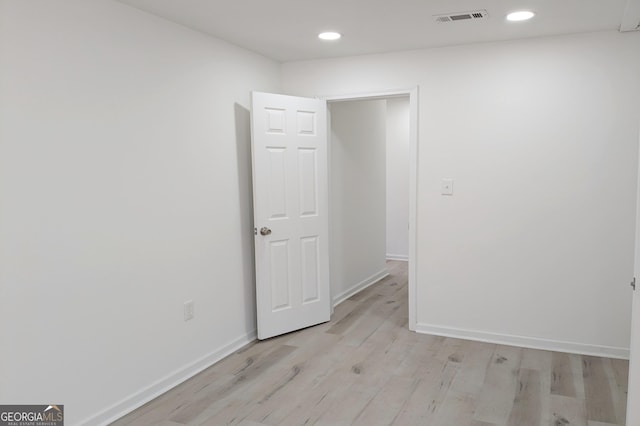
x,y
365,368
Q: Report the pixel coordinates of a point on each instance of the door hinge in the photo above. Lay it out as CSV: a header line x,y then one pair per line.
x,y
633,284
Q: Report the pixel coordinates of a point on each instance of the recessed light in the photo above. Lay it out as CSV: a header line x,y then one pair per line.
x,y
521,15
329,35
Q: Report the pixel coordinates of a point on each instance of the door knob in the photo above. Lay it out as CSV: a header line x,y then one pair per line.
x,y
265,231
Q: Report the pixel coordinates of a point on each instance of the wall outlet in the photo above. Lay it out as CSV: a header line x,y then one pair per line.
x,y
189,312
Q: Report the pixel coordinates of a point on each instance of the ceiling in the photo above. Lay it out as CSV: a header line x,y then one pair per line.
x,y
286,30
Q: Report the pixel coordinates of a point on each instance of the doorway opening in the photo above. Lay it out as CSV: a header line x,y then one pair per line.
x,y
373,144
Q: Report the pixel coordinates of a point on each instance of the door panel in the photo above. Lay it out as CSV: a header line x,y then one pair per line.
x,y
280,290
308,182
289,149
276,182
310,270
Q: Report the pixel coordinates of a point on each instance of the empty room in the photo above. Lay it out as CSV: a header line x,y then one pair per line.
x,y
195,212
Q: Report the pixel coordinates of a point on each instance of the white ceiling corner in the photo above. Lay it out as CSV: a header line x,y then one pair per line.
x,y
286,30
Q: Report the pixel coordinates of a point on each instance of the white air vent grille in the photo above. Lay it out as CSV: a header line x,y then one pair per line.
x,y
462,16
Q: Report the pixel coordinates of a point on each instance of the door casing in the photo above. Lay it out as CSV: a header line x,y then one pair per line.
x,y
633,395
412,93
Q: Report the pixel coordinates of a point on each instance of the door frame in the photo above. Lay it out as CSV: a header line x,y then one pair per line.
x,y
412,93
633,388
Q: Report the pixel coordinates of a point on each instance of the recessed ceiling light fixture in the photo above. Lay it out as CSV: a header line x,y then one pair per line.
x,y
521,15
329,35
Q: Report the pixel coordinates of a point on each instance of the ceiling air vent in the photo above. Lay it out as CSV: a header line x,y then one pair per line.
x,y
462,16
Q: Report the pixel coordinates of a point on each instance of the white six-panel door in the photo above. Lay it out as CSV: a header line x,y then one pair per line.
x,y
290,184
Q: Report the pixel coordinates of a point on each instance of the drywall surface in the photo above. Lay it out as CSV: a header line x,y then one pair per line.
x,y
125,189
398,178
357,196
540,137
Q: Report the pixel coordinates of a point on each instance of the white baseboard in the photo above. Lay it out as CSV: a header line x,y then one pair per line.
x,y
339,298
525,342
401,257
156,389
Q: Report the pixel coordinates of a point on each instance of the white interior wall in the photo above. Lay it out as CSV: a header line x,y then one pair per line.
x,y
357,195
535,247
397,161
125,191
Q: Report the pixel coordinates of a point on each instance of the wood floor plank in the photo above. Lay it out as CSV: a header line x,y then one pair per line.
x,y
365,367
473,369
228,411
362,365
540,361
374,317
613,369
419,350
526,410
385,406
246,374
597,391
168,404
562,381
594,423
247,355
621,372
345,411
353,317
452,350
499,389
576,368
426,400
537,359
567,411
456,409
251,423
322,397
302,371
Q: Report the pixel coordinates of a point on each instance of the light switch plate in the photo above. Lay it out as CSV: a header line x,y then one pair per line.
x,y
447,187
189,312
